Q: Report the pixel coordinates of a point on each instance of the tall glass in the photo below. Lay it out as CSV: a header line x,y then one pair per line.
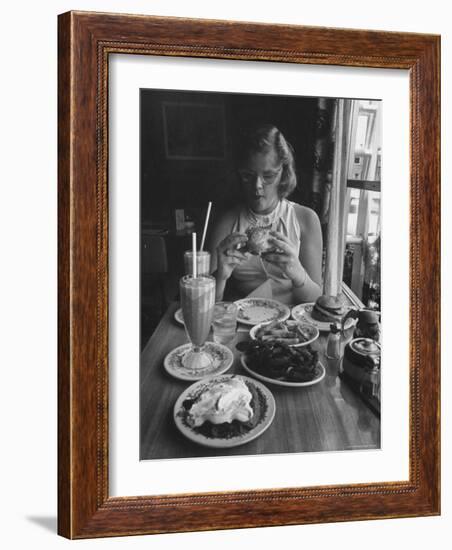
x,y
202,262
197,300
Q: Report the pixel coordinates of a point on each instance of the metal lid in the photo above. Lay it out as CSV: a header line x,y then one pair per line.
x,y
368,316
365,346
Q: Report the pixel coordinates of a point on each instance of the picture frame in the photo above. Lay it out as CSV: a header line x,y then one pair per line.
x,y
85,508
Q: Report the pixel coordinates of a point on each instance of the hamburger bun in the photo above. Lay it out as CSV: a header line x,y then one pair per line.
x,y
258,240
329,309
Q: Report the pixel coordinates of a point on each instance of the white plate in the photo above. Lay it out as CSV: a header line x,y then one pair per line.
x,y
315,332
253,311
179,316
302,313
222,359
265,418
285,383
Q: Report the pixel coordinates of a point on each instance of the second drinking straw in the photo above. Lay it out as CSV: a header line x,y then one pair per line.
x,y
209,206
195,271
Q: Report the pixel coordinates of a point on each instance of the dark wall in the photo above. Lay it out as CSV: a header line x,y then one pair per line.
x,y
168,183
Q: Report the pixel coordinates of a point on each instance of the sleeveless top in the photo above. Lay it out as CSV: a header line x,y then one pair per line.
x,y
255,271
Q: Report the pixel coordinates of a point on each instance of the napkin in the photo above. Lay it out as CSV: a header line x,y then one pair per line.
x,y
262,291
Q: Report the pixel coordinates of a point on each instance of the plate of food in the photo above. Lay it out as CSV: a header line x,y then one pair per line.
x,y
254,311
224,411
221,359
292,333
322,313
280,364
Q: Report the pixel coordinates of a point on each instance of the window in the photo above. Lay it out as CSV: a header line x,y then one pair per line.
x,y
363,198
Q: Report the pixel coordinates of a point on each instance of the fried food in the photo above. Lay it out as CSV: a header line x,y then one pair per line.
x,y
288,332
281,362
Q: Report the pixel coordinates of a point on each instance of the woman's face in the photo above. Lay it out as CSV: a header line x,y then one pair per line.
x,y
260,178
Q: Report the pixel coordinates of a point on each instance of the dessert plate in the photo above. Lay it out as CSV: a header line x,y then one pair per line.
x,y
263,405
221,360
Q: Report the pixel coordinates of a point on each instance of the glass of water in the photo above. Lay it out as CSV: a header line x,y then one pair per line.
x,y
224,322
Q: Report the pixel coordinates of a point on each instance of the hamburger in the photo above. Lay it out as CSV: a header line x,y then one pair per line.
x,y
258,240
329,309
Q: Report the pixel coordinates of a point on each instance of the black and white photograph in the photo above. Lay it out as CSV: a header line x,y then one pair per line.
x,y
212,319
259,274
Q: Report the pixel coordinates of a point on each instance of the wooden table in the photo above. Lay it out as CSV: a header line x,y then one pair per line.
x,y
328,416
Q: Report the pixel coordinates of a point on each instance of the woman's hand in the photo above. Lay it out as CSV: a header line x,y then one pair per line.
x,y
228,256
286,258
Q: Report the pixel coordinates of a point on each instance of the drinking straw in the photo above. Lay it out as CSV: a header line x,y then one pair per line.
x,y
209,206
193,236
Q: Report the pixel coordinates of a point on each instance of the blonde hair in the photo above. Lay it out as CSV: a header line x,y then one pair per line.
x,y
263,138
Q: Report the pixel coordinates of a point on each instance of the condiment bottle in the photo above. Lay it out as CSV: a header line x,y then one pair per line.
x,y
333,345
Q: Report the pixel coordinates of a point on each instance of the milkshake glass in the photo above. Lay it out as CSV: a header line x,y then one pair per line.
x,y
202,262
197,300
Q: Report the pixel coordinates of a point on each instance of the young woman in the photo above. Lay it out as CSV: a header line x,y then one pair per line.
x,y
293,265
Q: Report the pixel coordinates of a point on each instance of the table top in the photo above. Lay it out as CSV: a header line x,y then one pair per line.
x,y
328,416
